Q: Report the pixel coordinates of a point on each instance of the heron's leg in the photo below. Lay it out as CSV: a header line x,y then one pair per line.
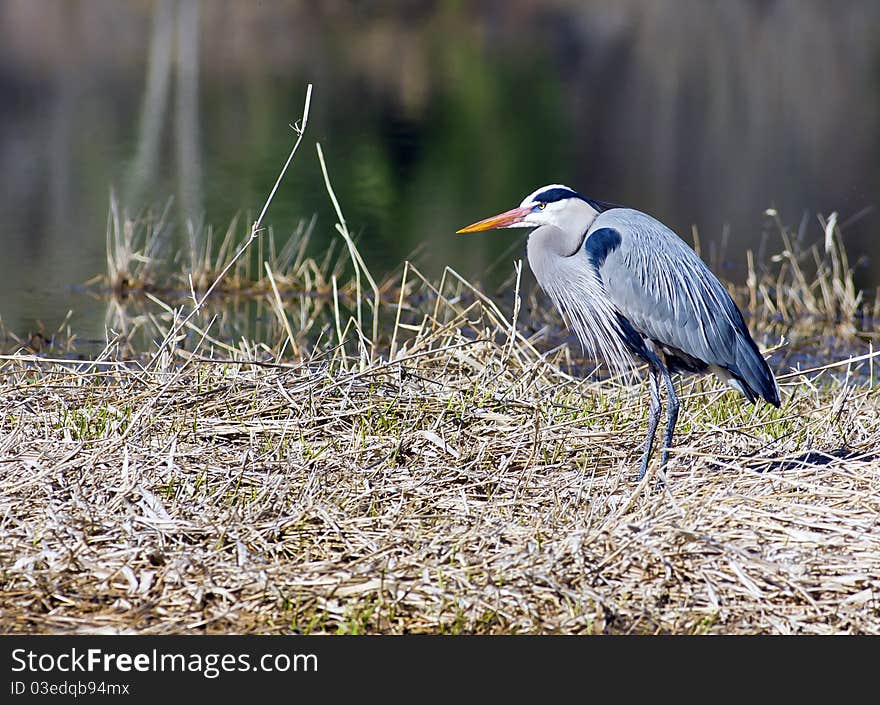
x,y
671,415
653,419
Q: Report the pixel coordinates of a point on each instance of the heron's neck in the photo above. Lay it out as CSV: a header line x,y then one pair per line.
x,y
563,237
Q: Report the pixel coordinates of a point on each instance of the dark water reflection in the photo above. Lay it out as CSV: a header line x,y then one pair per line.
x,y
431,114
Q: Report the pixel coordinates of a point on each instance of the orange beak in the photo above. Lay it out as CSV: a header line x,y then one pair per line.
x,y
502,220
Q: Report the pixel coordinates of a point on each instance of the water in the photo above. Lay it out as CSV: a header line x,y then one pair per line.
x,y
431,115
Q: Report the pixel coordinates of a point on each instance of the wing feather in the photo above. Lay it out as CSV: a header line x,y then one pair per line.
x,y
669,295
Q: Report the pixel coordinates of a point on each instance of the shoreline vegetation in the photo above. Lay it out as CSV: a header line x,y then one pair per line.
x,y
408,455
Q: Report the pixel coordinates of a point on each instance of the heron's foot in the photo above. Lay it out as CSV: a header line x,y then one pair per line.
x,y
664,456
643,468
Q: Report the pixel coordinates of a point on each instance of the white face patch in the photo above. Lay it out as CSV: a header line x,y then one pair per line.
x,y
571,215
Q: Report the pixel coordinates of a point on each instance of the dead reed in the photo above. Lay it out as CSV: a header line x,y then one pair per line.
x,y
451,479
411,457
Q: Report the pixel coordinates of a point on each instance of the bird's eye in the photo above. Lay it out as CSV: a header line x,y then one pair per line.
x,y
541,206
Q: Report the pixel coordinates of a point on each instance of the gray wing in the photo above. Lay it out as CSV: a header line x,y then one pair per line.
x,y
670,297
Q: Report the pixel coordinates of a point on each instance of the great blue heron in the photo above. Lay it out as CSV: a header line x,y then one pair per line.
x,y
632,290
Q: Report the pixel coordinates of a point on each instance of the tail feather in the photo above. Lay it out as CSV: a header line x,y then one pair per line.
x,y
754,372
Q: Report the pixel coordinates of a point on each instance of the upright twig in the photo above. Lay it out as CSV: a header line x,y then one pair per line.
x,y
299,128
357,261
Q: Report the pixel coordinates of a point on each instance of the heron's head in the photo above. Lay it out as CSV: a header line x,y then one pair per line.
x,y
549,205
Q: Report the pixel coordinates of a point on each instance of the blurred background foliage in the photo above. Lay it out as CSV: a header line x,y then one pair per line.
x,y
431,115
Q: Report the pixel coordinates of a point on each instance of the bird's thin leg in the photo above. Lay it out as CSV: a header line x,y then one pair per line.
x,y
653,419
671,415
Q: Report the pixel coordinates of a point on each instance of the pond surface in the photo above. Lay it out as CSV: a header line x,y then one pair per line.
x,y
431,115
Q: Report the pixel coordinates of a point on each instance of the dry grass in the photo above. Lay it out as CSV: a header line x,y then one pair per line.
x,y
407,457
805,286
140,259
461,483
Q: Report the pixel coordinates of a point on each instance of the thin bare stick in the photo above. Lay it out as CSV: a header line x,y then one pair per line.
x,y
279,311
339,339
837,363
393,349
356,259
508,349
299,128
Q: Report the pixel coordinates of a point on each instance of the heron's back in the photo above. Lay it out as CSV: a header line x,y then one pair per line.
x,y
672,300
